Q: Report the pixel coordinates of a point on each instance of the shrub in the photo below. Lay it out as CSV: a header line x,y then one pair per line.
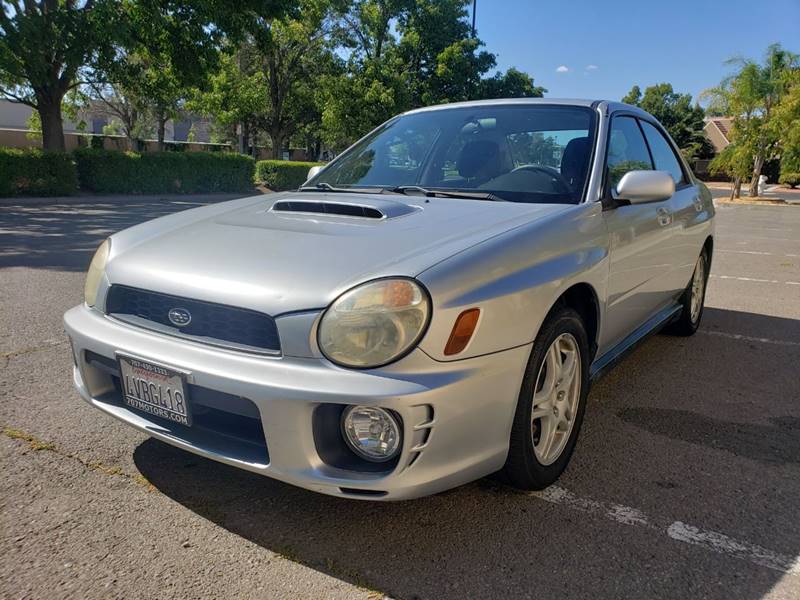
x,y
36,173
280,175
111,171
790,179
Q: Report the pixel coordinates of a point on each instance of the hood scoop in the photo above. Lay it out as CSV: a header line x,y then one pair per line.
x,y
328,208
375,210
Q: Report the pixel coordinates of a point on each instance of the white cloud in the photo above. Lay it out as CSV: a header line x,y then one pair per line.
x,y
562,69
592,67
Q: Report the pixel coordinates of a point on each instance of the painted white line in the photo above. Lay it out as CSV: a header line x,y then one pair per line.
x,y
753,279
745,252
745,279
756,253
718,542
675,530
747,338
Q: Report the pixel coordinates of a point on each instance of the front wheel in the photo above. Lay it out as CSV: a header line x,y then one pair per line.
x,y
551,403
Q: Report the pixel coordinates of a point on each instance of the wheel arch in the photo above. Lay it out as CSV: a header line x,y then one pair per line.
x,y
708,246
582,298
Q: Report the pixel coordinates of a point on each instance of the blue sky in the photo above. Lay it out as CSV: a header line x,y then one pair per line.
x,y
607,47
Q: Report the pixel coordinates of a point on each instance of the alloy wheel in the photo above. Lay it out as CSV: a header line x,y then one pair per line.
x,y
555,399
698,285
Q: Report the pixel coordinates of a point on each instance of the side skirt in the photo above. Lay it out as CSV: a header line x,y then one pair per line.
x,y
613,357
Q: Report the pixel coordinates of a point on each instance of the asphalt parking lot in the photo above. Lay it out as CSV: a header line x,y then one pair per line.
x,y
685,482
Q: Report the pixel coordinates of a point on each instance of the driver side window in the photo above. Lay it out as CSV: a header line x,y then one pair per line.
x,y
627,150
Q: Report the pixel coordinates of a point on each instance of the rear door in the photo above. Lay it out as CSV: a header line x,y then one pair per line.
x,y
640,237
685,206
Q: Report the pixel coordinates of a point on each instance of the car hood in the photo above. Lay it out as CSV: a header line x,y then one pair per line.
x,y
297,251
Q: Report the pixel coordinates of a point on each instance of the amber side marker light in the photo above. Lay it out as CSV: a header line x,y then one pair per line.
x,y
462,331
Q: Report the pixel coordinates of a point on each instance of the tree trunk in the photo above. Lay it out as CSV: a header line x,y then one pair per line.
x,y
162,126
253,148
758,164
736,189
52,124
276,137
244,137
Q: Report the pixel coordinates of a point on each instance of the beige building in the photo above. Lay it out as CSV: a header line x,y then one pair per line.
x,y
14,131
717,130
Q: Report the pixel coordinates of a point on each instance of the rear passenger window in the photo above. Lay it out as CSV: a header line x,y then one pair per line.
x,y
663,156
627,150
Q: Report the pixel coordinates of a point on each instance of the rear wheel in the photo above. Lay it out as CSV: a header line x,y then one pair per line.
x,y
551,403
692,300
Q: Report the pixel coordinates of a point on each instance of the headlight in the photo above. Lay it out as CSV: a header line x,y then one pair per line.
x,y
372,433
374,323
95,273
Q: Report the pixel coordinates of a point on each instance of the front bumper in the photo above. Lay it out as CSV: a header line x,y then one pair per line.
x,y
456,415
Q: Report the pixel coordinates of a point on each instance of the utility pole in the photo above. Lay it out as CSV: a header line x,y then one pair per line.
x,y
474,4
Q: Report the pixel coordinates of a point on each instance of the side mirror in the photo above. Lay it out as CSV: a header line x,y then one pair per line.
x,y
639,187
313,171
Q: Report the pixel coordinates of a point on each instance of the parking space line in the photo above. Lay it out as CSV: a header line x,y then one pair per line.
x,y
758,253
675,530
748,338
753,279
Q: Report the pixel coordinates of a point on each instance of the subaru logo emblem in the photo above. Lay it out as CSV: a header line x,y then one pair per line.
x,y
180,317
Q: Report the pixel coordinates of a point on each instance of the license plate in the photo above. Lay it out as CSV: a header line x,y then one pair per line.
x,y
154,389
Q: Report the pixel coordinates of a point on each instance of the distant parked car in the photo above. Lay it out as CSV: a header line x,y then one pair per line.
x,y
427,309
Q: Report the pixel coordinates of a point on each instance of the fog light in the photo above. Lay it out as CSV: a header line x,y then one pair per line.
x,y
371,432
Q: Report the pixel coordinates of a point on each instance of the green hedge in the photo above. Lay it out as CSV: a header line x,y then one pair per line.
x,y
111,171
790,179
36,173
280,175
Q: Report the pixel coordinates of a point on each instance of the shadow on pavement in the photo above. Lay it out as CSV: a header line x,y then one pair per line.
x,y
664,432
64,236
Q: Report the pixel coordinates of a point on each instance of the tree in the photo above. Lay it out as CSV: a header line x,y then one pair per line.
x,y
749,96
268,82
428,57
233,96
511,84
736,161
118,104
633,97
292,52
48,47
786,128
683,120
43,46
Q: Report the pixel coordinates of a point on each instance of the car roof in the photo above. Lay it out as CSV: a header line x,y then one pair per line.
x,y
609,106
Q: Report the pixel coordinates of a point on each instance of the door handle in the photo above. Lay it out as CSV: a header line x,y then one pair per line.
x,y
664,216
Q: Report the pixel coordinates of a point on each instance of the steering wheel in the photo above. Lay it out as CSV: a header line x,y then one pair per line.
x,y
551,172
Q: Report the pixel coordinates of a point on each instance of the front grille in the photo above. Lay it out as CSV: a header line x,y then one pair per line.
x,y
216,324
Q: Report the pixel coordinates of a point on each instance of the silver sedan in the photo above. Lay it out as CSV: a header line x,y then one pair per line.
x,y
429,308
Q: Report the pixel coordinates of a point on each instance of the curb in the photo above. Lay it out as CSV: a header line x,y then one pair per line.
x,y
718,201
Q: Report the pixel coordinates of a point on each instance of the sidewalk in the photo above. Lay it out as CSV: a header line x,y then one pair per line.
x,y
722,191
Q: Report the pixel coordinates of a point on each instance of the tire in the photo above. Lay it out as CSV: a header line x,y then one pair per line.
x,y
532,464
688,321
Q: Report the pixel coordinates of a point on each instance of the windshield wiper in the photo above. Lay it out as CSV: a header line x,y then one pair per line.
x,y
403,189
327,187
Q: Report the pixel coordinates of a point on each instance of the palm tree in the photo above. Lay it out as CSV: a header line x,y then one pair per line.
x,y
749,96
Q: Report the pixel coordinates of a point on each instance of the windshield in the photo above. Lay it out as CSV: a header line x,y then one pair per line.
x,y
519,153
